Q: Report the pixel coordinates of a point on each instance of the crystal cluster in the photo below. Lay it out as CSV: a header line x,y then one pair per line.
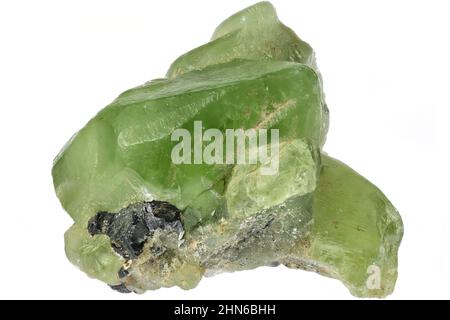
x,y
143,222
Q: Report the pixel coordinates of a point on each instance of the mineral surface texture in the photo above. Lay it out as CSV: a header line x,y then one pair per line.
x,y
218,167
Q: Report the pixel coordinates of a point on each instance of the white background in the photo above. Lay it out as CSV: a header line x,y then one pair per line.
x,y
385,66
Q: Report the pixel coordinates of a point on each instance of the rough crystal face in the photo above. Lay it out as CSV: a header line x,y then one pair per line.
x,y
144,221
254,33
355,235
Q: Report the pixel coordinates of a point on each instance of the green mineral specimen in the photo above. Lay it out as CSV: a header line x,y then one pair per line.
x,y
356,233
254,33
219,167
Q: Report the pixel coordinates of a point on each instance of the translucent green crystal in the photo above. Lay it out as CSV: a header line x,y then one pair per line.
x,y
143,221
254,33
356,233
102,169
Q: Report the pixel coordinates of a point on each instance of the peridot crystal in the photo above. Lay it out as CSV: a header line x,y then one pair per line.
x,y
145,220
